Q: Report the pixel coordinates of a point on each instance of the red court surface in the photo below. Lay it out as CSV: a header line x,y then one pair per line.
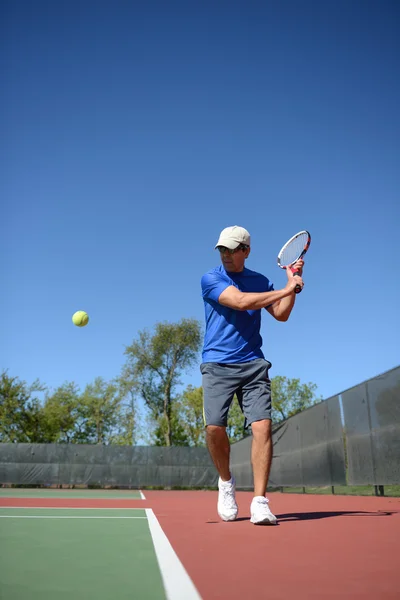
x,y
324,547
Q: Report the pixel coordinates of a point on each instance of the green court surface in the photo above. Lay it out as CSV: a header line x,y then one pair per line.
x,y
65,493
48,553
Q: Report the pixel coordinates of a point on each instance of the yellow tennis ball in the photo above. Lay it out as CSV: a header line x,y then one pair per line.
x,y
80,318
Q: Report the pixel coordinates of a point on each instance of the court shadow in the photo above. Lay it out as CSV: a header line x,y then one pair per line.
x,y
310,516
235,521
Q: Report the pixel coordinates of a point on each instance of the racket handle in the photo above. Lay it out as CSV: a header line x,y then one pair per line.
x,y
297,289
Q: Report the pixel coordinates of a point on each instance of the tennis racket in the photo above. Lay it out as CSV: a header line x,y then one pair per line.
x,y
294,250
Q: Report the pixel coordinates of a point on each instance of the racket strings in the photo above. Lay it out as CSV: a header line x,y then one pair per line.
x,y
293,250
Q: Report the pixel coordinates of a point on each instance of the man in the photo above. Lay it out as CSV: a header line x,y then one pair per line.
x,y
233,362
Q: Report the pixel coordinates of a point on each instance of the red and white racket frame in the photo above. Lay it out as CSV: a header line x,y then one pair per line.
x,y
302,253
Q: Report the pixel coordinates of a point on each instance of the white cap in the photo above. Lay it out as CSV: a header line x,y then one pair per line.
x,y
231,237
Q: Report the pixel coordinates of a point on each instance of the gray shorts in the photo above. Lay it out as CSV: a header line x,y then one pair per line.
x,y
249,381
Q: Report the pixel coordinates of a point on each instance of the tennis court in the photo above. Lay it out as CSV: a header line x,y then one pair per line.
x,y
170,544
77,553
85,544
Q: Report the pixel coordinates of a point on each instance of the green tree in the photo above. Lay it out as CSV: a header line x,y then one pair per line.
x,y
21,418
62,414
155,363
290,397
100,406
104,413
128,421
190,410
177,430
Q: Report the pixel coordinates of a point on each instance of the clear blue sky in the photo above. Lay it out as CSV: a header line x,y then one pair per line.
x,y
133,132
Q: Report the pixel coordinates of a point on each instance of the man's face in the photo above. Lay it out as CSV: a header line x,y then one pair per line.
x,y
233,260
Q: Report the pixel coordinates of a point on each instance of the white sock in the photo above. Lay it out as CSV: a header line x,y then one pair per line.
x,y
230,481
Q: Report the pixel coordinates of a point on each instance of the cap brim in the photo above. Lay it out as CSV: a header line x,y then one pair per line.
x,y
231,244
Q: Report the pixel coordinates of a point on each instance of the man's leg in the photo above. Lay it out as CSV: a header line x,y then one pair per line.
x,y
261,455
219,448
218,392
256,402
219,383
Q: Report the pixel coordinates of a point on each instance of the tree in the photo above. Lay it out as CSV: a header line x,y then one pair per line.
x,y
177,429
290,397
105,413
126,429
155,364
190,409
20,412
62,414
100,404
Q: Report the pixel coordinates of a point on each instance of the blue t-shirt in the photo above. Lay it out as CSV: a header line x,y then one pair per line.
x,y
232,336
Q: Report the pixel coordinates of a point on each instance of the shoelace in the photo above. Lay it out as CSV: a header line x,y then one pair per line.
x,y
227,493
262,501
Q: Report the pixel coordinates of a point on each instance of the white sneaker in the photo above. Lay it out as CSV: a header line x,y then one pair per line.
x,y
227,507
260,512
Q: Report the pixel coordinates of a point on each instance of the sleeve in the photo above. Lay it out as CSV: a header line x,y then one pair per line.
x,y
268,286
212,286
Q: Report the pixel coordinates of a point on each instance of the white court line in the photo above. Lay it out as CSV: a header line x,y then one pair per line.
x,y
177,583
61,517
143,497
62,497
66,508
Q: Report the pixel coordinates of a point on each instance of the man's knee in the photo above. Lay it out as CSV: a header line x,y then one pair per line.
x,y
262,429
215,430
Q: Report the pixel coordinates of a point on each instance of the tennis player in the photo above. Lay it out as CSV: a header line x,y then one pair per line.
x,y
233,362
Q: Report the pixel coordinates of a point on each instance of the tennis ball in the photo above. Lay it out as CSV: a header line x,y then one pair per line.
x,y
80,318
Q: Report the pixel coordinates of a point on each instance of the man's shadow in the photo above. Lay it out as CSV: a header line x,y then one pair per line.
x,y
311,516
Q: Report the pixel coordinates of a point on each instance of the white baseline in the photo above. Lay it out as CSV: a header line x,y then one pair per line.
x,y
177,583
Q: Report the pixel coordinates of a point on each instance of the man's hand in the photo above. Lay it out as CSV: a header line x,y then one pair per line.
x,y
294,280
298,266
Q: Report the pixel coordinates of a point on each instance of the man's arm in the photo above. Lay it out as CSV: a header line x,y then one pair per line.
x,y
282,301
234,298
281,310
